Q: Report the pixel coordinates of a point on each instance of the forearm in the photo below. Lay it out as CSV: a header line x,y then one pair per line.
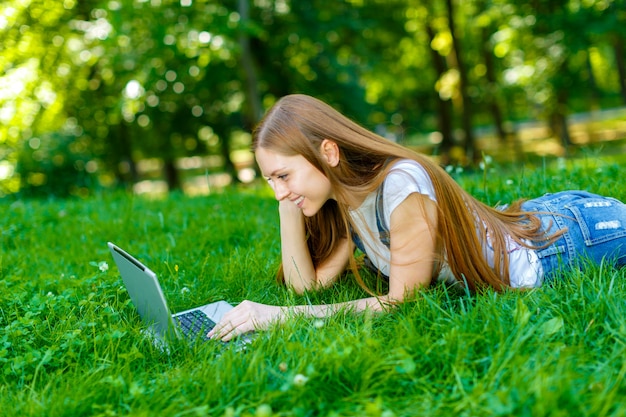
x,y
249,316
298,269
326,310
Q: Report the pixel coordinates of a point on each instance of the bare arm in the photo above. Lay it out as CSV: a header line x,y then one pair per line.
x,y
412,246
300,274
249,316
412,257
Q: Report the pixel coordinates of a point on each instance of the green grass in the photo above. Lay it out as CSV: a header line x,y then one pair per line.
x,y
71,342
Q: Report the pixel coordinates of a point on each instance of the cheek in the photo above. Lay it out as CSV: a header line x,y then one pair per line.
x,y
323,186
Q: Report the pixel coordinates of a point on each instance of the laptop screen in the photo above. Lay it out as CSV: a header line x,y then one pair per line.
x,y
145,292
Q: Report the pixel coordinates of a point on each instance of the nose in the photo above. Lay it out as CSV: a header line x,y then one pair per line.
x,y
280,190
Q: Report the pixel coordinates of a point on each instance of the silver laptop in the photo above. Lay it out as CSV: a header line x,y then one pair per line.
x,y
145,292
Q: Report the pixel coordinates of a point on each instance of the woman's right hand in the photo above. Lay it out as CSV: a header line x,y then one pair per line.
x,y
244,318
289,209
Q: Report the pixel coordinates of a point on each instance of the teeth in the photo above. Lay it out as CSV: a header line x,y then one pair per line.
x,y
298,201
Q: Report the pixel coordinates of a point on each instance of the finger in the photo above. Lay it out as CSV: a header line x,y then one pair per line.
x,y
226,330
220,329
227,333
227,337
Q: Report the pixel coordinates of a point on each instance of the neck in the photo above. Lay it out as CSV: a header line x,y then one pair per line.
x,y
354,198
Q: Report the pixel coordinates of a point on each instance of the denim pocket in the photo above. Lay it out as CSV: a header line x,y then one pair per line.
x,y
600,219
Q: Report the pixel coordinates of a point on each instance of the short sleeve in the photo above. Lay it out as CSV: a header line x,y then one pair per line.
x,y
405,178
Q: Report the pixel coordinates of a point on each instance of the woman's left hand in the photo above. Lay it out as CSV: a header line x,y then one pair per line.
x,y
246,317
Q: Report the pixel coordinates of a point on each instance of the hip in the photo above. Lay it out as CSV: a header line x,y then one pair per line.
x,y
594,229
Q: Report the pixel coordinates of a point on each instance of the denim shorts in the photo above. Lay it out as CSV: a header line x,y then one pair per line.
x,y
596,230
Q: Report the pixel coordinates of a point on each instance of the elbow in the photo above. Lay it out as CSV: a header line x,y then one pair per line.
x,y
391,300
298,290
298,287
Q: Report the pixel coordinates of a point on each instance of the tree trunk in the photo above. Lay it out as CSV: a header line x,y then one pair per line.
x,y
594,103
445,106
254,108
559,119
618,48
466,113
490,75
171,175
255,111
229,166
122,154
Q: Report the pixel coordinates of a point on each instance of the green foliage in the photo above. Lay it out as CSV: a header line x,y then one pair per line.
x,y
56,166
168,79
72,344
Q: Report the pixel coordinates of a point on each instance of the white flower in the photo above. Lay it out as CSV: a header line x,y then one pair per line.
x,y
103,266
184,290
300,380
318,324
264,410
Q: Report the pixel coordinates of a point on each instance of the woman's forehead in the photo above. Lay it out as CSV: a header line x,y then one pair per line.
x,y
271,161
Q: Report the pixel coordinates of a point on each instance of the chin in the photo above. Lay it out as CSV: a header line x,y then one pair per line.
x,y
309,212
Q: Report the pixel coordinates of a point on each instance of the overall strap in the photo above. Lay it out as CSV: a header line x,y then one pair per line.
x,y
381,224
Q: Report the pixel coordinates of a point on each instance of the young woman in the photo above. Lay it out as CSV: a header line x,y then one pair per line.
x,y
341,187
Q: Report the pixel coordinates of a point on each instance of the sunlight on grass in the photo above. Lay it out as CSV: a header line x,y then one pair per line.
x,y
71,341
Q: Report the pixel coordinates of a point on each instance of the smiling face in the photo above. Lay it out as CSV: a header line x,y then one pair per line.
x,y
295,179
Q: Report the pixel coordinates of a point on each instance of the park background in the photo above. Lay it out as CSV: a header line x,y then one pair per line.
x,y
158,95
130,121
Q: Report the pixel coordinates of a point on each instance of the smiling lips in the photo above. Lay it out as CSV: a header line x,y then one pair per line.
x,y
298,201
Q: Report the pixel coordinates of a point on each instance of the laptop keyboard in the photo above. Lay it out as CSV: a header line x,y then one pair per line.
x,y
195,324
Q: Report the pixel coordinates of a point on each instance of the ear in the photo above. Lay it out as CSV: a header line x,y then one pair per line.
x,y
330,152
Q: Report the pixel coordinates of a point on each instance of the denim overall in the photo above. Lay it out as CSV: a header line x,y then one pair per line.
x,y
596,230
383,233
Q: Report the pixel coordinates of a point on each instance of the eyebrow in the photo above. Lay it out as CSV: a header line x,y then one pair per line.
x,y
273,173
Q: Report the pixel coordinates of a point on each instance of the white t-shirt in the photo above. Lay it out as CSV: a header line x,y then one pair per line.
x,y
407,177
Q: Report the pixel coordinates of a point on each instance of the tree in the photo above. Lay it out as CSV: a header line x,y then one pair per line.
x,y
463,84
43,67
92,88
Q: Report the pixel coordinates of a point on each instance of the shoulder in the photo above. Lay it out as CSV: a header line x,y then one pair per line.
x,y
406,177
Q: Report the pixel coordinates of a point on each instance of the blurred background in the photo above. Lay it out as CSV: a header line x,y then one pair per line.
x,y
161,95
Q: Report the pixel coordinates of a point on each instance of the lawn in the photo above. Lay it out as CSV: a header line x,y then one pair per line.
x,y
71,343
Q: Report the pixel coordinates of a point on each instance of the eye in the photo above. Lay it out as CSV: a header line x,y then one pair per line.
x,y
282,177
